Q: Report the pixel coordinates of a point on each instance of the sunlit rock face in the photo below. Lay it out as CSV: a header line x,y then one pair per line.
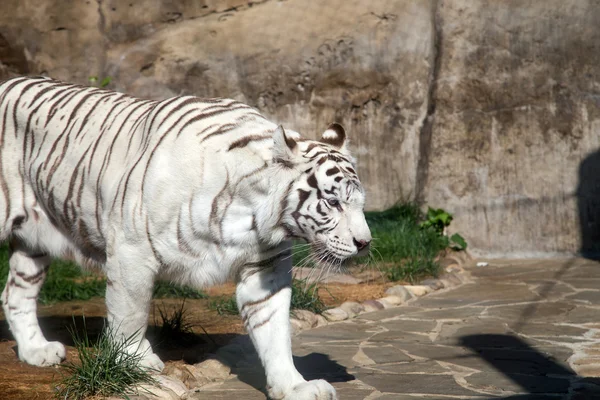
x,y
488,109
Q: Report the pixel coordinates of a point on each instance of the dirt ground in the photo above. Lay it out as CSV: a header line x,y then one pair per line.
x,y
211,330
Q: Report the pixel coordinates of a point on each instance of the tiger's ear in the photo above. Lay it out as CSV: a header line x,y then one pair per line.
x,y
285,148
335,136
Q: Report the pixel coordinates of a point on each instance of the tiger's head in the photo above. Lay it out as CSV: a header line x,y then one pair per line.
x,y
325,203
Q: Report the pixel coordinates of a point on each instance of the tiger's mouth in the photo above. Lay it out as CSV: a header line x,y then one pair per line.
x,y
326,258
334,259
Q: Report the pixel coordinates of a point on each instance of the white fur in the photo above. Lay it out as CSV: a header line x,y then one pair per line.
x,y
191,191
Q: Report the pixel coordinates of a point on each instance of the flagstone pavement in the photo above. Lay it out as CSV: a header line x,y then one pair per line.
x,y
521,330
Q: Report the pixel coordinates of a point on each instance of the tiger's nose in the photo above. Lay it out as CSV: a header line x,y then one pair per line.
x,y
361,244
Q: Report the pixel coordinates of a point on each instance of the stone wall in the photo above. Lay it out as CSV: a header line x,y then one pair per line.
x,y
486,108
517,111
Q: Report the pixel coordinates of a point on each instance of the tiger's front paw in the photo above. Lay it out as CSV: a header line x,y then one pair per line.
x,y
312,390
50,353
152,363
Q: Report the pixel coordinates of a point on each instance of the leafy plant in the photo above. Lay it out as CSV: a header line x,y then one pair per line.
x,y
457,242
438,219
103,83
104,368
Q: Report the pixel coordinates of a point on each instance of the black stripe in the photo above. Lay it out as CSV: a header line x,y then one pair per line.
x,y
256,326
332,171
266,298
16,106
243,142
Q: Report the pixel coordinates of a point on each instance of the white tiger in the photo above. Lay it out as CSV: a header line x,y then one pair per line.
x,y
194,191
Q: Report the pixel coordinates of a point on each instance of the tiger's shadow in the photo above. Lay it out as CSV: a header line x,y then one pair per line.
x,y
234,350
241,357
189,347
311,366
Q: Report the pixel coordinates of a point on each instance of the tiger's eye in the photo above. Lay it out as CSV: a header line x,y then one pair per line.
x,y
333,202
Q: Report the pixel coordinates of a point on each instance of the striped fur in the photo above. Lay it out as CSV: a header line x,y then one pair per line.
x,y
187,189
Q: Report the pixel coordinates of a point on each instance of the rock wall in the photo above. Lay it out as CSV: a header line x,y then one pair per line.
x,y
487,108
517,113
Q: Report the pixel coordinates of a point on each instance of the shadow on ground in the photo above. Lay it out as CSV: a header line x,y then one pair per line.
x,y
530,369
186,346
311,366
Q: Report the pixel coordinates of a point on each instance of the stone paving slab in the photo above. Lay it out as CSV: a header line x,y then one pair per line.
x,y
524,330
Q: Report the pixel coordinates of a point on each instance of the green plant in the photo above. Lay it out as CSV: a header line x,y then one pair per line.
x,y
104,368
457,242
175,327
224,305
103,83
305,296
406,242
65,282
170,290
438,219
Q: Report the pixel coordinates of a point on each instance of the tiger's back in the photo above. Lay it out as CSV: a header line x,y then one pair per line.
x,y
85,156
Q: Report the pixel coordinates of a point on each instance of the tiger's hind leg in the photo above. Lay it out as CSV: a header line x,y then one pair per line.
x,y
26,275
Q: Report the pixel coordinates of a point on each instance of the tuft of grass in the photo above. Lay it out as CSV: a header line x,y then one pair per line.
x,y
412,269
175,327
305,296
104,368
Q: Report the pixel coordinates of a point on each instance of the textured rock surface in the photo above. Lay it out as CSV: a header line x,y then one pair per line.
x,y
364,66
352,308
335,314
488,109
517,123
418,290
372,305
399,291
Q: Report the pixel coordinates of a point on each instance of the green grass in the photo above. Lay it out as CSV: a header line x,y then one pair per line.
x,y
224,305
66,281
402,248
405,243
104,369
304,297
163,290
